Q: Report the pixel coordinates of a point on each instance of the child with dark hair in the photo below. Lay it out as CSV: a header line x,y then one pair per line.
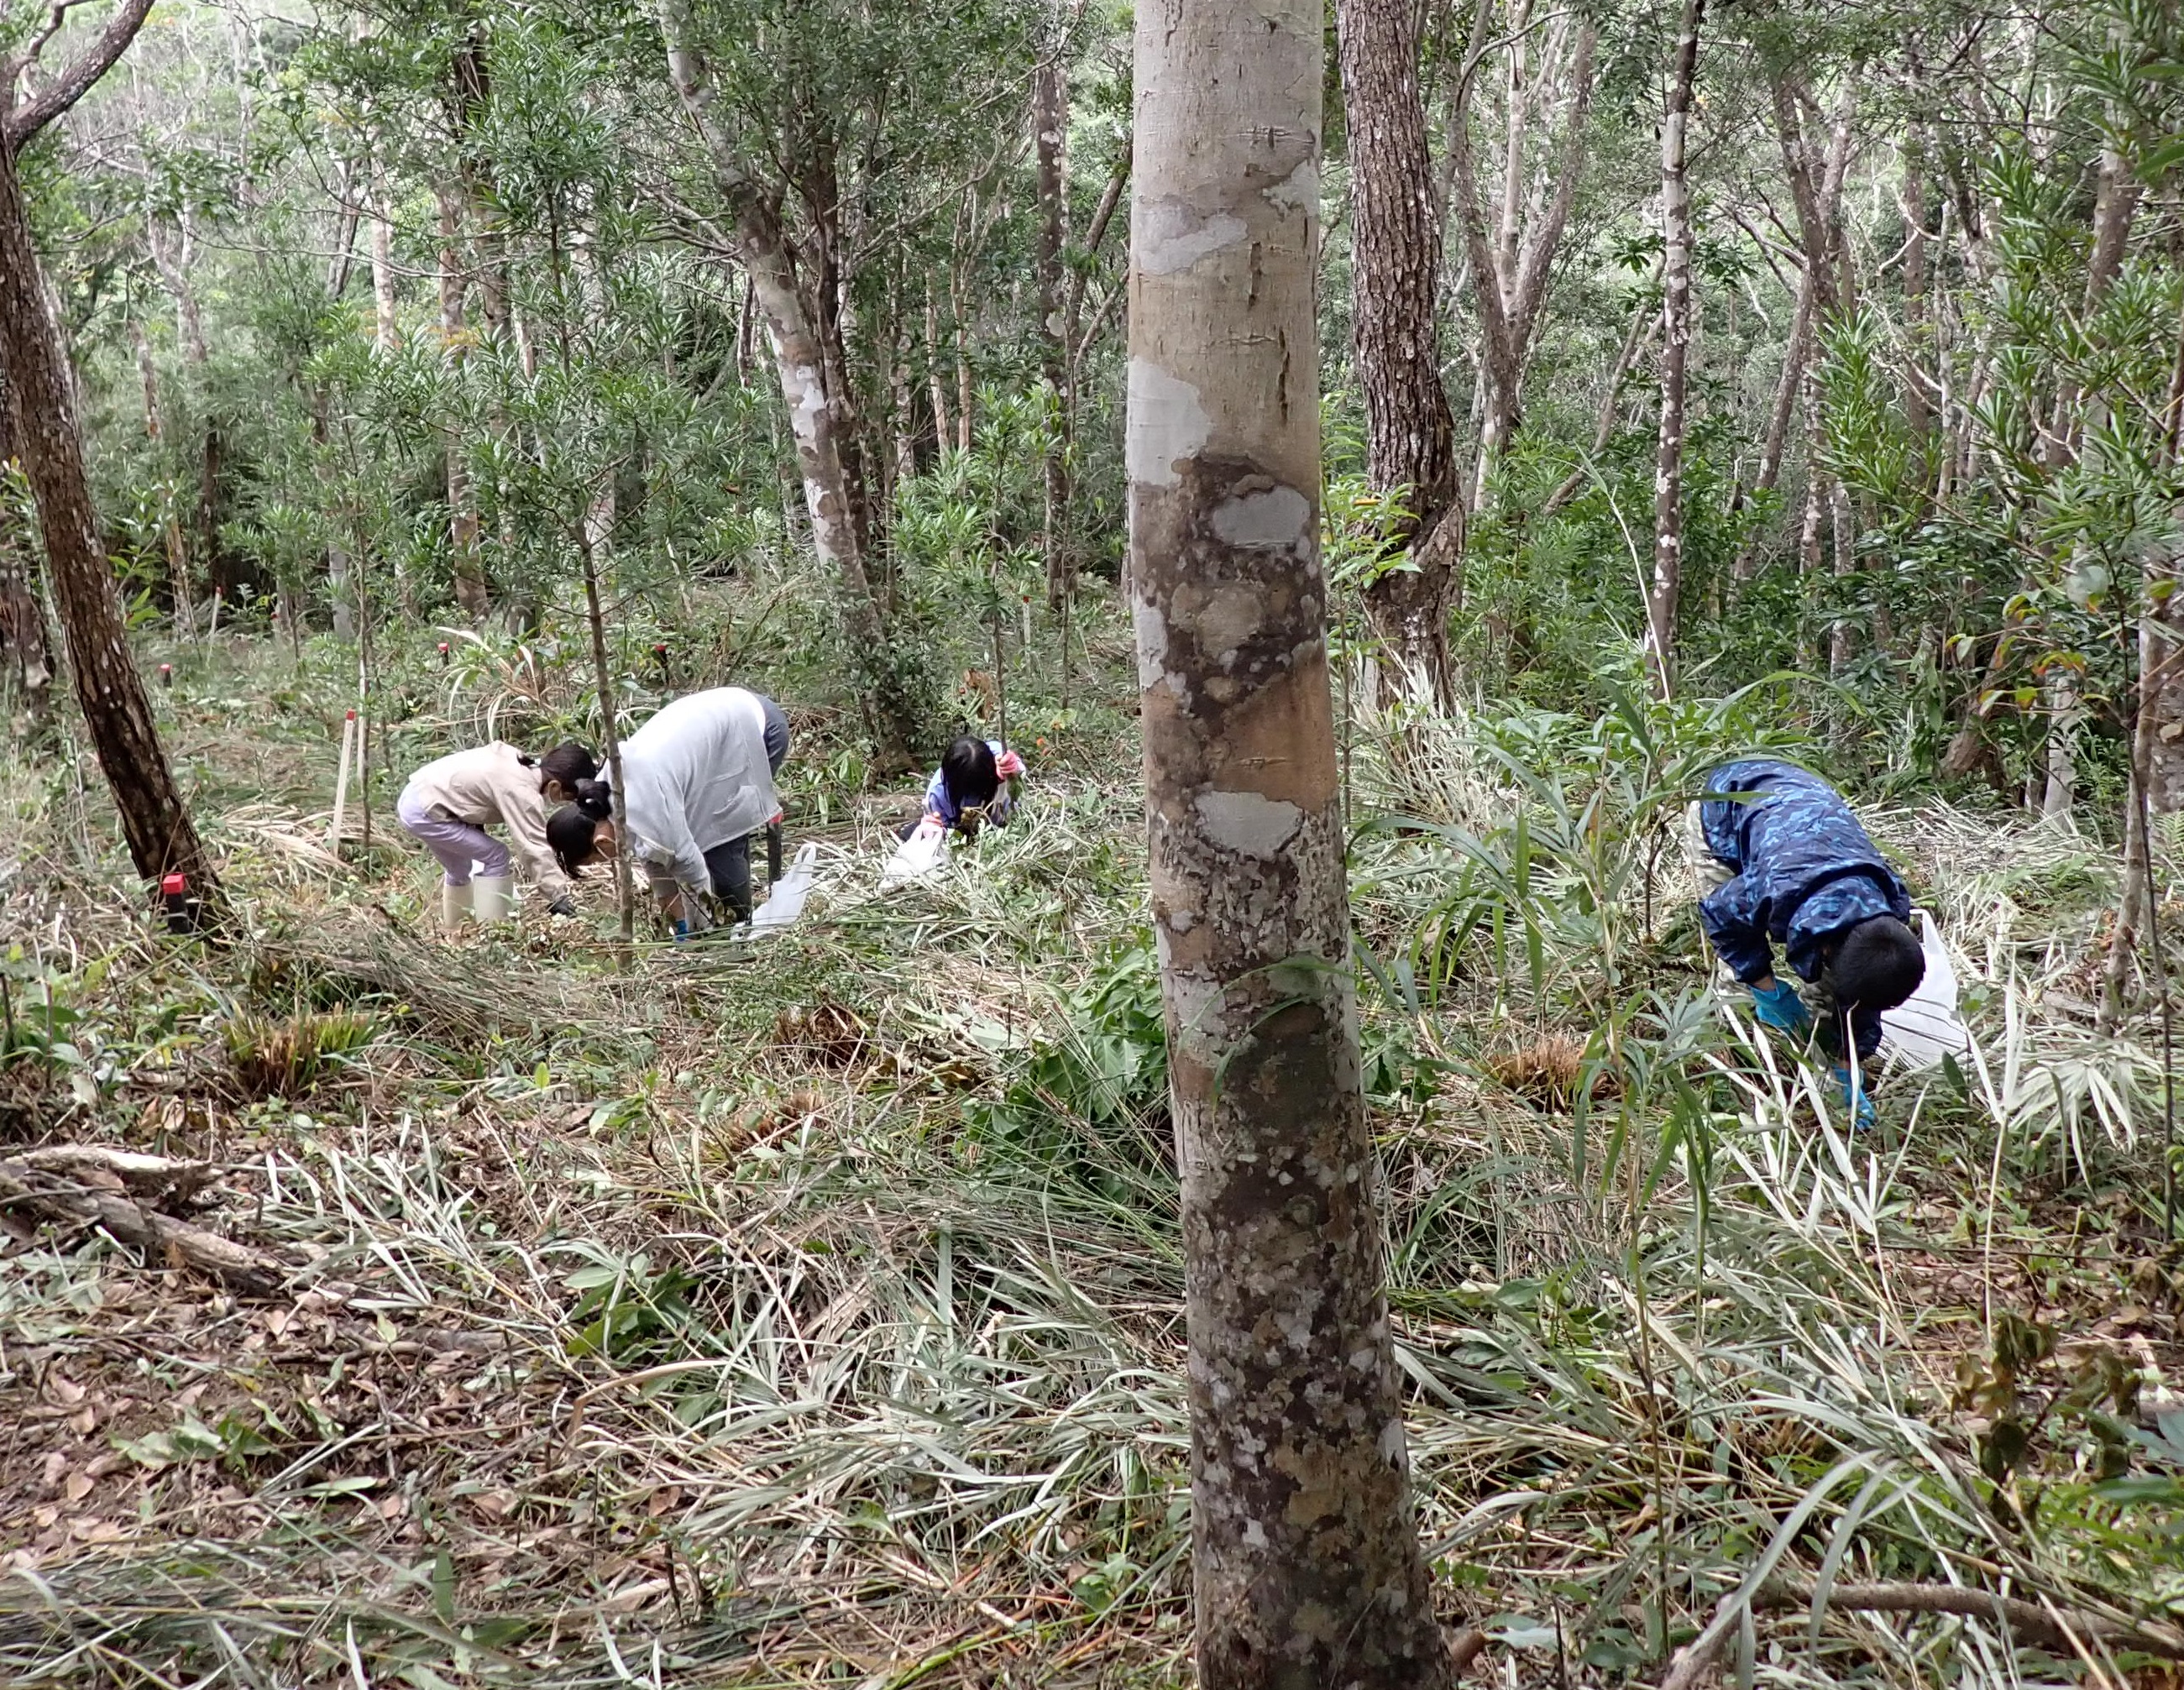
x,y
1782,860
967,789
448,804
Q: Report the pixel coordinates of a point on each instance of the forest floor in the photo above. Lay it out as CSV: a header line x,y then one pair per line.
x,y
809,1312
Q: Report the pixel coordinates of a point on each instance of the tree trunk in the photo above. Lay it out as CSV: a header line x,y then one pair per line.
x,y
1918,334
1307,1567
26,644
1410,431
2060,696
171,524
468,567
1509,273
387,332
1842,642
1675,350
936,388
174,270
762,252
117,712
2165,730
1050,117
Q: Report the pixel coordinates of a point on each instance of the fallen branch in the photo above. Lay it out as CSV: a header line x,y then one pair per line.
x,y
159,1180
46,1195
2061,1630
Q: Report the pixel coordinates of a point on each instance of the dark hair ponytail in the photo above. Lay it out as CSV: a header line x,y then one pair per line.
x,y
569,837
570,764
594,797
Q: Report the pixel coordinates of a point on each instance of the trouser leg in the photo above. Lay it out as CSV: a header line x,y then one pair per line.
x,y
1709,874
457,845
729,866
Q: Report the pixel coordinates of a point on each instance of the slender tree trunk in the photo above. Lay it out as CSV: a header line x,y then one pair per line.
x,y
117,712
1635,337
1918,330
1050,119
936,388
1410,430
1508,273
2164,715
609,734
175,273
463,526
2064,713
26,643
170,525
1306,1566
2115,200
340,577
387,333
963,380
1842,642
1675,349
797,356
2158,654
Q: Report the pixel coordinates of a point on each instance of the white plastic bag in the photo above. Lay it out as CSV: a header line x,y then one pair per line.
x,y
1925,1028
918,856
784,899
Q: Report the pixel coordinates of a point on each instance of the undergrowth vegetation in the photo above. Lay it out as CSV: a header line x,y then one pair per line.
x,y
811,1312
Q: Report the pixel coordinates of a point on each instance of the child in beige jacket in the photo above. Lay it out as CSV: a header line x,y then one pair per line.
x,y
448,804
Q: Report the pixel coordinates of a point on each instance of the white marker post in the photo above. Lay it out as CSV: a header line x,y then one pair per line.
x,y
340,784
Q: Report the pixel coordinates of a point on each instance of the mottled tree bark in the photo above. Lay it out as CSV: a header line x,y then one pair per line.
x,y
1306,1567
117,712
1675,351
763,253
1410,432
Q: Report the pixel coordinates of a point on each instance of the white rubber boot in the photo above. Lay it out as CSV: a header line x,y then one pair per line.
x,y
454,905
495,899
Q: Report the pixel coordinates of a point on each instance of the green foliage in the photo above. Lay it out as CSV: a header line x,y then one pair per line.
x,y
1090,1105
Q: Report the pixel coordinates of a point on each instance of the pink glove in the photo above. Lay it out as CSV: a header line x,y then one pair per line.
x,y
1008,765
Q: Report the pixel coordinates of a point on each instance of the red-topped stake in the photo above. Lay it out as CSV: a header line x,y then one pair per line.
x,y
180,907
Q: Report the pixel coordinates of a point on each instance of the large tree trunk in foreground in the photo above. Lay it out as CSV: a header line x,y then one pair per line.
x,y
1410,432
117,712
1676,352
763,252
1306,1567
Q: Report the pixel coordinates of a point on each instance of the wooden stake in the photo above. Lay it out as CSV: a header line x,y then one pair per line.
x,y
340,784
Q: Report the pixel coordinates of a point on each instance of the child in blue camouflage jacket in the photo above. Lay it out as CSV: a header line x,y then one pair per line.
x,y
1783,861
